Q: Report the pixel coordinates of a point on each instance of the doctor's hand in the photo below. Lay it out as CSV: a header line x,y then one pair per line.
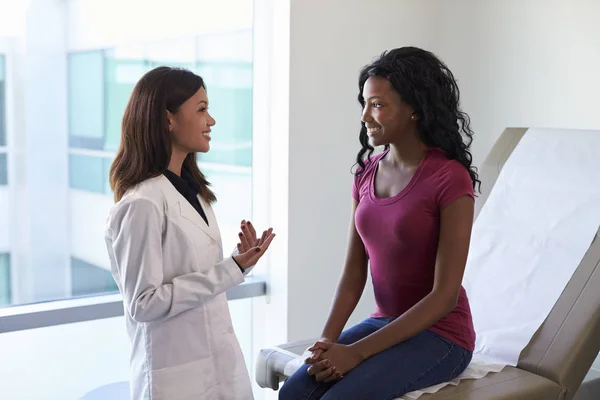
x,y
247,237
251,250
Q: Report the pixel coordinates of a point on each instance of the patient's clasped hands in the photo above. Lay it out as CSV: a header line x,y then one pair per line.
x,y
250,248
330,361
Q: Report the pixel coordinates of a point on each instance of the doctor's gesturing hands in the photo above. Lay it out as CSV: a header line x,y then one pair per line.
x,y
250,248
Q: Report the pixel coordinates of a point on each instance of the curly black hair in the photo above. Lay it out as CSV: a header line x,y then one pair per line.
x,y
429,87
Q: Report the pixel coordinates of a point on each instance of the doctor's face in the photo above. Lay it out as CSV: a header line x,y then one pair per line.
x,y
190,124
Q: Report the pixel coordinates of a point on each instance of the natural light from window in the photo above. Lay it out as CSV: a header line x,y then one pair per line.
x,y
61,103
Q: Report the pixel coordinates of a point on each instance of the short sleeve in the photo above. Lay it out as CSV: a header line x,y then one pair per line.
x,y
355,191
361,177
453,182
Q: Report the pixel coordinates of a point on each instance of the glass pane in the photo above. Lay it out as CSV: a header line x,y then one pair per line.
x,y
66,362
85,360
69,133
106,163
72,128
120,79
232,46
230,208
5,287
3,169
89,279
87,173
86,99
180,52
229,89
2,102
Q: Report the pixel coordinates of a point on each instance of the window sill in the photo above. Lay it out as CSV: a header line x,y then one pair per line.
x,y
89,308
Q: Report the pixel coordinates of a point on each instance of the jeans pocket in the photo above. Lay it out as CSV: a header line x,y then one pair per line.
x,y
463,363
449,344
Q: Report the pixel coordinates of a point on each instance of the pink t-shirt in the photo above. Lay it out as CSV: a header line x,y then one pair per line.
x,y
401,235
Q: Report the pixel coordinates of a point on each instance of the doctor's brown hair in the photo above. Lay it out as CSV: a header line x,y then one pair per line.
x,y
145,148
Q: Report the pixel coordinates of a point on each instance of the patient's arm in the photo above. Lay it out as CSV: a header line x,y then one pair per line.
x,y
351,285
456,221
348,293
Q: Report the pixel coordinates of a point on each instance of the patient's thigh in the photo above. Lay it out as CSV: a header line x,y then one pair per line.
x,y
424,360
302,386
362,330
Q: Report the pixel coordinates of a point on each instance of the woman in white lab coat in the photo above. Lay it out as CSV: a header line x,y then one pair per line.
x,y
165,247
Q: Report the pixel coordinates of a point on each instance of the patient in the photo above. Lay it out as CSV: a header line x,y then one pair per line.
x,y
412,217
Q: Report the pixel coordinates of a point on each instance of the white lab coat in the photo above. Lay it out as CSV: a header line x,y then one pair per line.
x,y
168,264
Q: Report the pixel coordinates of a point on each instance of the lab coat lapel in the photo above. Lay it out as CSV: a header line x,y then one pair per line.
x,y
212,220
187,211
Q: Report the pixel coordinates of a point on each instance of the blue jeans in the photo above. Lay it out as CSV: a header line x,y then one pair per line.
x,y
424,360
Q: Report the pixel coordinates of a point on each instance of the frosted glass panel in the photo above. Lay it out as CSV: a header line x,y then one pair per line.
x,y
85,360
63,362
86,95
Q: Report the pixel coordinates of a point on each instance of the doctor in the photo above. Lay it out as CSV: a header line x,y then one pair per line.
x,y
165,247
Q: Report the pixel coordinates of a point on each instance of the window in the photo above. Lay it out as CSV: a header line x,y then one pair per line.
x,y
86,99
88,85
87,278
3,169
89,172
2,102
229,86
58,144
3,157
121,75
5,286
101,81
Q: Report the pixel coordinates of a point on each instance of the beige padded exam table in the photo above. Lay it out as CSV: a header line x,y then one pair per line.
x,y
556,361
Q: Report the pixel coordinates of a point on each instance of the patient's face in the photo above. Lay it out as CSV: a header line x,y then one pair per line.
x,y
386,116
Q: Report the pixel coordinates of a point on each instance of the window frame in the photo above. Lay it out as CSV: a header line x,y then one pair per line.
x,y
93,307
3,127
77,141
4,181
20,317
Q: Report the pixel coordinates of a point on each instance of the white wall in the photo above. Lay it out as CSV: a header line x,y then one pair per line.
x,y
518,63
523,63
329,43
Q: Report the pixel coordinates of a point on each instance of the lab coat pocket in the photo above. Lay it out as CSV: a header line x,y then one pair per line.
x,y
181,339
190,381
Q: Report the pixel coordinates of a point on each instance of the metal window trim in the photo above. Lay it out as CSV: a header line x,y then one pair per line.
x,y
90,308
